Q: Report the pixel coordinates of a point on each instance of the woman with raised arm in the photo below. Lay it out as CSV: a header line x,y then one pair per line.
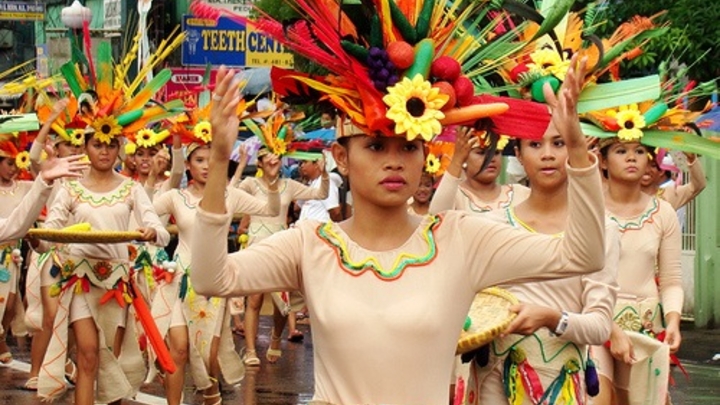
x,y
178,310
90,274
385,267
556,320
467,186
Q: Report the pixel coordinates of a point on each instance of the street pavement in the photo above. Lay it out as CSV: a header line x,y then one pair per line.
x,y
290,381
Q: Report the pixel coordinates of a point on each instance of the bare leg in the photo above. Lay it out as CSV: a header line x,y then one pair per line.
x,y
41,338
252,320
212,395
6,319
175,382
86,339
279,322
605,396
294,335
117,344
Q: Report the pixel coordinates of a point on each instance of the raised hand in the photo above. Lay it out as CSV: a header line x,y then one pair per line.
x,y
465,141
225,122
564,112
53,167
223,115
58,108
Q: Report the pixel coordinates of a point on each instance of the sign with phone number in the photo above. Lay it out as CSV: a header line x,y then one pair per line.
x,y
227,42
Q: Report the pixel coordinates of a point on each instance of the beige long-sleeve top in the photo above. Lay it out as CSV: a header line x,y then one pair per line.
x,y
290,190
649,239
110,211
589,299
451,194
176,173
182,205
678,196
11,196
25,212
412,300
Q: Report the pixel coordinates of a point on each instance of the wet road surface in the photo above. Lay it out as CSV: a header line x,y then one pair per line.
x,y
290,381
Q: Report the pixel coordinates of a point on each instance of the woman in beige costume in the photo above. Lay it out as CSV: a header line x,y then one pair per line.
x,y
41,307
12,191
90,273
261,227
557,319
464,187
636,364
384,267
197,327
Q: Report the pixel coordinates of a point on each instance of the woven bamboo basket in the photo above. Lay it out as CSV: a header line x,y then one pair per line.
x,y
65,236
489,315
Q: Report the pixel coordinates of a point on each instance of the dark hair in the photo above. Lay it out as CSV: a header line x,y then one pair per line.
x,y
89,136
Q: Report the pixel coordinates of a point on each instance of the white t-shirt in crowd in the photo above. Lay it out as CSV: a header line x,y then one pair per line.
x,y
318,209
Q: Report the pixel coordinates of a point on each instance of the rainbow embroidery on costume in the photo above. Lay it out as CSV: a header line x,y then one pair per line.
x,y
403,261
635,225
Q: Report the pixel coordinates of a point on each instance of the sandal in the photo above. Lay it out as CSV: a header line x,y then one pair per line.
x,y
273,355
31,384
296,336
250,358
71,376
211,396
6,358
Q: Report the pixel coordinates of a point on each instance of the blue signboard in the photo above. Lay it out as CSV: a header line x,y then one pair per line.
x,y
228,42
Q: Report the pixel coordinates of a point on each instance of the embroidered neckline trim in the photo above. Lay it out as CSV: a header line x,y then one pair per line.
x,y
475,207
118,195
645,217
514,220
371,263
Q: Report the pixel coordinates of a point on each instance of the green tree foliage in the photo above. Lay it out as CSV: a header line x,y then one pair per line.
x,y
692,38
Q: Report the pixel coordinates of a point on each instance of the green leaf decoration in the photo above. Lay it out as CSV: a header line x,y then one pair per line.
x,y
614,94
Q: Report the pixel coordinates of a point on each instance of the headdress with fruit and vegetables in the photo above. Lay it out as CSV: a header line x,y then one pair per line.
x,y
401,77
555,34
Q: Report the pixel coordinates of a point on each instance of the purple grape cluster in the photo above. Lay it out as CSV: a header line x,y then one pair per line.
x,y
382,72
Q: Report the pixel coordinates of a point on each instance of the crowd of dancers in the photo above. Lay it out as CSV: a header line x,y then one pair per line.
x,y
411,223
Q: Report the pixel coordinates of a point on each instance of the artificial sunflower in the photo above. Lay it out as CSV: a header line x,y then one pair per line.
x,y
106,128
630,121
415,107
432,164
279,148
77,137
22,160
548,61
130,148
203,131
145,138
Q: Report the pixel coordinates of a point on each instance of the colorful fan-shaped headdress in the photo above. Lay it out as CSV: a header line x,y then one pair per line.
x,y
663,123
403,76
109,104
16,146
68,126
555,34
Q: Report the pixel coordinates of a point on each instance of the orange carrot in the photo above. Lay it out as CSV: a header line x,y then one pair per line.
x,y
471,113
